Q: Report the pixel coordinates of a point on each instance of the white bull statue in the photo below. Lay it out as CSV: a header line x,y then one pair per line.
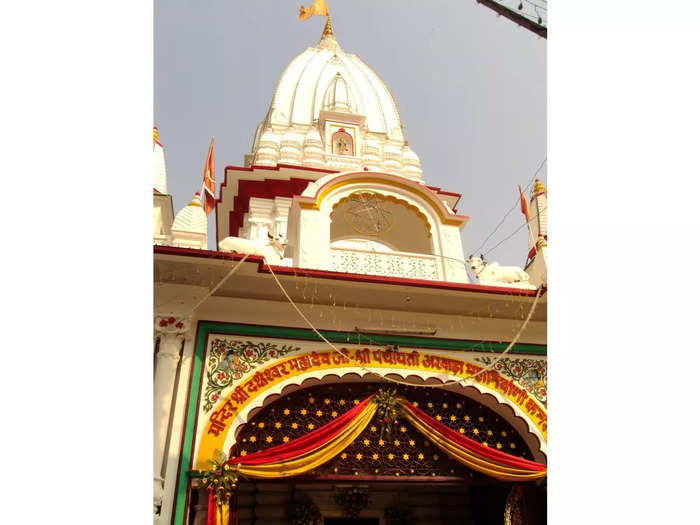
x,y
272,250
494,273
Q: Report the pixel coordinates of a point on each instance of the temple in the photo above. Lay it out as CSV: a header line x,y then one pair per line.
x,y
331,360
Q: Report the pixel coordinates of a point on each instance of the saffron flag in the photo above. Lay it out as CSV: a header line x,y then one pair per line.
x,y
524,206
319,7
209,181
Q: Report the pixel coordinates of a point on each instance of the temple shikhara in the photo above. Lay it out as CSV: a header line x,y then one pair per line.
x,y
334,356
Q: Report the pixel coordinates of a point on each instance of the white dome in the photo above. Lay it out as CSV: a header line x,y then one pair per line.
x,y
338,96
311,76
191,218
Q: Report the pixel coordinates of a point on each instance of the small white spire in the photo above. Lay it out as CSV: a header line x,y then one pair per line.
x,y
189,228
160,179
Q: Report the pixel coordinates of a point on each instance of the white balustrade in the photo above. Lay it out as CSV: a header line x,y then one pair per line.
x,y
394,264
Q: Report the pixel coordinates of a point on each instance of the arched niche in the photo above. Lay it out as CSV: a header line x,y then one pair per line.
x,y
438,254
385,219
342,143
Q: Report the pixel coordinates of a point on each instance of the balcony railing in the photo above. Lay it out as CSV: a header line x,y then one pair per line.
x,y
395,264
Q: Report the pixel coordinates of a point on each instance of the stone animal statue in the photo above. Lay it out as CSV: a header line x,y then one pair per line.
x,y
494,273
272,250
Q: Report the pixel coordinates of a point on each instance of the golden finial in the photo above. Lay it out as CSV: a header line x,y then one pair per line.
x,y
539,187
155,134
196,201
328,29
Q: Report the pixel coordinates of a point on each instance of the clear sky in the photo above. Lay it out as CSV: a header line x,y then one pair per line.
x,y
470,86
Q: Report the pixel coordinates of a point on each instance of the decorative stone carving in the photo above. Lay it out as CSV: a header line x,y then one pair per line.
x,y
392,158
268,152
373,263
291,148
372,154
411,164
313,148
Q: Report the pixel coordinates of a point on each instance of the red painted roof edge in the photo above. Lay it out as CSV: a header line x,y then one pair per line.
x,y
450,193
324,274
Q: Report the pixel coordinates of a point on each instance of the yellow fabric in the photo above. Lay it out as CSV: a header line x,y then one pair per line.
x,y
319,7
468,458
222,514
314,458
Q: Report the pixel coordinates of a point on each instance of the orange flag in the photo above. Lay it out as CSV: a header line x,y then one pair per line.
x,y
319,7
209,182
524,206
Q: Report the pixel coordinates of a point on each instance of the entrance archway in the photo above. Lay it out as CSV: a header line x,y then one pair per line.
x,y
401,472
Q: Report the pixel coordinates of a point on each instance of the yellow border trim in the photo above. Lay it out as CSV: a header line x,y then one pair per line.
x,y
444,219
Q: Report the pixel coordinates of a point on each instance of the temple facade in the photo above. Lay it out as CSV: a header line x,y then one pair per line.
x,y
330,360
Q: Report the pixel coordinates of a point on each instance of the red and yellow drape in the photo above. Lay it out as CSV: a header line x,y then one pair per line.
x,y
316,448
308,452
474,455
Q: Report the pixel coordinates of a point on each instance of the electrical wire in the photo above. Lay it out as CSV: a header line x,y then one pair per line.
x,y
386,378
532,179
511,235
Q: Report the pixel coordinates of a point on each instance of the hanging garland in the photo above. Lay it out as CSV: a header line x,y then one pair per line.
x,y
220,480
388,404
352,500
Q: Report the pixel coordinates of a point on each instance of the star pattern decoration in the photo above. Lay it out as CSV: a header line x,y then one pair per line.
x,y
367,213
406,453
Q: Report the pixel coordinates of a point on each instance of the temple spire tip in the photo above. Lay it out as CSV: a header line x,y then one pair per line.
x,y
328,29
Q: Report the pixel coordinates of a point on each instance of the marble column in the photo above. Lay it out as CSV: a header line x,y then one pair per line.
x,y
172,333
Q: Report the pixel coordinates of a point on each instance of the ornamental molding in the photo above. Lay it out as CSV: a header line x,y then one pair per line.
x,y
316,192
230,360
531,374
168,325
226,403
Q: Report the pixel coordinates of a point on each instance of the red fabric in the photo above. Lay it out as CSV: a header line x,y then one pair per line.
x,y
211,510
494,455
209,181
305,443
